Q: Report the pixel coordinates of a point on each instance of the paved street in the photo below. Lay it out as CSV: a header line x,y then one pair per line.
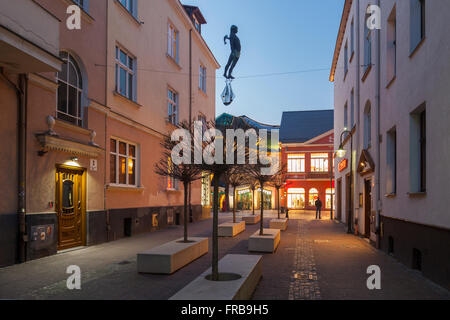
x,y
315,260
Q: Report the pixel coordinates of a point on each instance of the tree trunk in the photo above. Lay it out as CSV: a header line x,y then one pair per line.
x,y
234,205
226,203
186,186
261,230
215,253
278,201
253,201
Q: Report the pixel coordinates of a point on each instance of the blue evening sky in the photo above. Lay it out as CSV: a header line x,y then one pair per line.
x,y
277,36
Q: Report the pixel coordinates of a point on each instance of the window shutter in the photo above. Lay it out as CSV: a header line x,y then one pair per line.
x,y
415,24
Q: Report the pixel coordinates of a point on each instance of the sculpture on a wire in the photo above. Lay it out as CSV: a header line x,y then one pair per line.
x,y
228,96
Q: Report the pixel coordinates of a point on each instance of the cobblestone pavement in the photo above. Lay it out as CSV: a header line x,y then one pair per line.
x,y
315,260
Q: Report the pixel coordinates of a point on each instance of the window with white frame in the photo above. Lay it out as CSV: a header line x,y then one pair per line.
x,y
391,46
367,46
202,79
123,163
173,42
125,74
313,196
172,104
296,163
319,162
70,91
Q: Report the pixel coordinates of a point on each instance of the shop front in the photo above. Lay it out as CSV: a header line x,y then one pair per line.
x,y
244,199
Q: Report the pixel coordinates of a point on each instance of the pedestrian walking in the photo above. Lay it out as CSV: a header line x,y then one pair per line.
x,y
318,208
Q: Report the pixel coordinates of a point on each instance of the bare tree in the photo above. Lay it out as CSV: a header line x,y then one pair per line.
x,y
258,173
235,179
278,182
185,173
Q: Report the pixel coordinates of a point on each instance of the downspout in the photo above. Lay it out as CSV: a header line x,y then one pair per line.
x,y
21,161
190,112
378,167
107,220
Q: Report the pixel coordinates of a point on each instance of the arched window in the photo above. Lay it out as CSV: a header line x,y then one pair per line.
x,y
296,198
313,195
329,198
70,89
367,126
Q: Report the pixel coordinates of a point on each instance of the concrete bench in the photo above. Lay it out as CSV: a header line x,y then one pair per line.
x,y
171,256
281,224
231,229
266,243
253,219
249,267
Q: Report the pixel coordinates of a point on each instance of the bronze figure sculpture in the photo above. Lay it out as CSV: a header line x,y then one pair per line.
x,y
235,44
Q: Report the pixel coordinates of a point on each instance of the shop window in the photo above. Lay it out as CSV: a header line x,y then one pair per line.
x,y
296,198
330,198
313,196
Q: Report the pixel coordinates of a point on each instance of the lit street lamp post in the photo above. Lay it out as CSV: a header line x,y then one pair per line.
x,y
341,153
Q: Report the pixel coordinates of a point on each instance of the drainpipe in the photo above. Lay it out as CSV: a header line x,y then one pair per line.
x,y
21,160
377,170
190,111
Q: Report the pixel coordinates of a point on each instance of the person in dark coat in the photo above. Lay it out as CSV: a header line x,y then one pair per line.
x,y
318,208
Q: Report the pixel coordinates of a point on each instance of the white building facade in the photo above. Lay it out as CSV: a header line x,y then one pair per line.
x,y
392,93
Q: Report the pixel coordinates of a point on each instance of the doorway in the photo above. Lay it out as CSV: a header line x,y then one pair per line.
x,y
71,206
367,207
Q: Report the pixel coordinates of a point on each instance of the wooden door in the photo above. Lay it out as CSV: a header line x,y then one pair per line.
x,y
71,207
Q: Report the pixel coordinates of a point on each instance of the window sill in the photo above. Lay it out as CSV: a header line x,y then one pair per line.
x,y
419,45
120,187
134,103
390,195
175,63
135,19
417,194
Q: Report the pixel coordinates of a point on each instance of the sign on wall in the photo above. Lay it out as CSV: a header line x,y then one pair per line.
x,y
343,165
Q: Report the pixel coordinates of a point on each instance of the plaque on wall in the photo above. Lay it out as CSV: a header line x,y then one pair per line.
x,y
42,236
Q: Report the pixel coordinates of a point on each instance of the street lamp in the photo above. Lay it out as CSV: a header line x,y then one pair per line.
x,y
341,153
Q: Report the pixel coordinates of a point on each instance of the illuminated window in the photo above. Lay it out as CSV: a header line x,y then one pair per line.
x,y
173,43
296,163
319,162
313,196
329,198
172,183
296,198
123,157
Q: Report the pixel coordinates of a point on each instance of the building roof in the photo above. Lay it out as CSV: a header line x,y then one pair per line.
x,y
243,122
340,37
193,10
302,126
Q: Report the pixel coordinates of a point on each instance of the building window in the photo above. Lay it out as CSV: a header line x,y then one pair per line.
x,y
352,109
367,46
319,162
391,161
367,126
313,196
418,149
296,198
125,74
352,38
70,91
197,24
345,59
417,23
123,163
330,198
172,101
296,163
206,190
172,183
173,43
83,4
202,79
391,45
130,5
346,115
